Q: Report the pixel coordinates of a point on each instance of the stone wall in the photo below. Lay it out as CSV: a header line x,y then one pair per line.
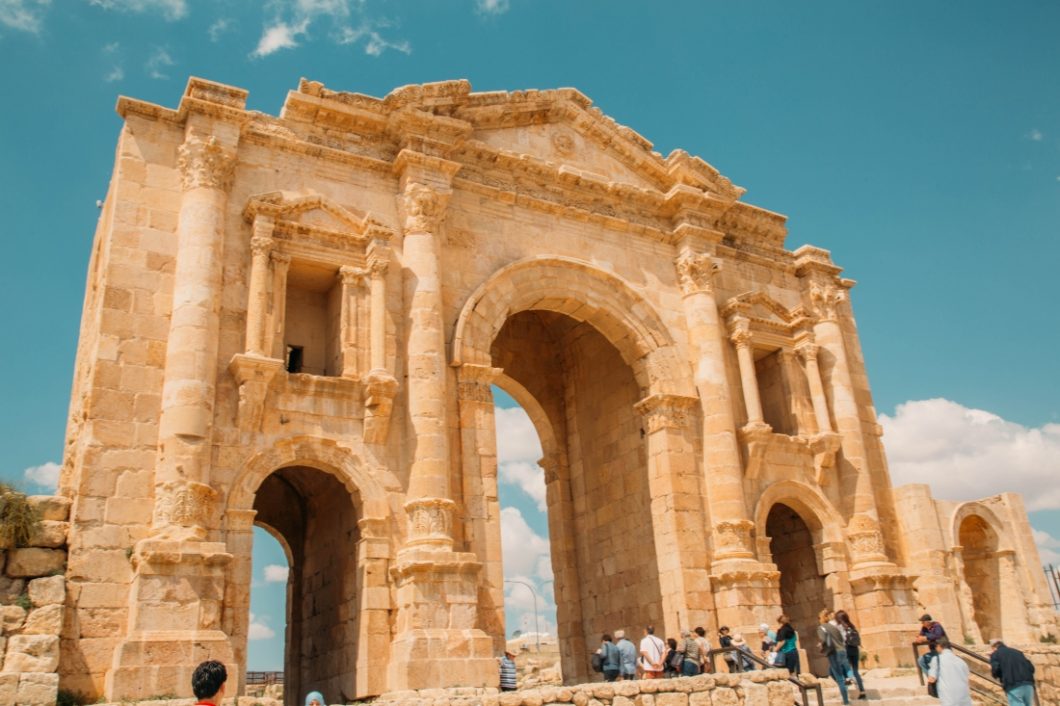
x,y
761,688
1046,660
32,598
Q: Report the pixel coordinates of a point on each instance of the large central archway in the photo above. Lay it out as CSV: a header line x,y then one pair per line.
x,y
596,369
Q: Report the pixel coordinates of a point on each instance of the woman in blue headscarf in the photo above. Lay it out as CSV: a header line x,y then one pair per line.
x,y
314,698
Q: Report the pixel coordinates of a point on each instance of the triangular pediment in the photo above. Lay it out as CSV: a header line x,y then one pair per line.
x,y
763,309
313,212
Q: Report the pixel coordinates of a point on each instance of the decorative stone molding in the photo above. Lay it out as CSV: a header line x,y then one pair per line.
x,y
732,540
695,272
253,374
378,259
552,465
749,578
824,447
182,510
807,350
740,332
758,437
866,540
474,382
826,299
666,411
380,387
205,163
424,208
430,522
353,276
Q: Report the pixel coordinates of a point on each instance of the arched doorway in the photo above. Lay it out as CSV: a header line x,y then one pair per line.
x,y
803,593
581,394
982,572
312,513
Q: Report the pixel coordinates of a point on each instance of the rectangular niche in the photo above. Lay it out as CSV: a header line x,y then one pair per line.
x,y
312,331
774,389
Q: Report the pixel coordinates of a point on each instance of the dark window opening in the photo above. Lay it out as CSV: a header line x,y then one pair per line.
x,y
294,359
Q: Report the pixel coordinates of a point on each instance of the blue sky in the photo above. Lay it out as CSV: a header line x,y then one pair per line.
x,y
919,141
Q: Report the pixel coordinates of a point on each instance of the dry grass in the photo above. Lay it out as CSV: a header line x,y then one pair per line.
x,y
18,519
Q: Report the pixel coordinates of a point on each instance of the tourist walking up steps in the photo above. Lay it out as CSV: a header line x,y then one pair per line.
x,y
208,683
652,653
508,681
1015,672
832,646
949,674
852,640
930,633
627,652
788,645
612,659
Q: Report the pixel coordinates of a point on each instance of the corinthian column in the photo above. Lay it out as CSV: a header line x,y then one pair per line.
x,y
351,279
741,338
808,352
429,503
182,491
261,246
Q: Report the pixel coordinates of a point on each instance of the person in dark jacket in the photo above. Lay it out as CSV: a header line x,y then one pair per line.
x,y
930,632
1015,672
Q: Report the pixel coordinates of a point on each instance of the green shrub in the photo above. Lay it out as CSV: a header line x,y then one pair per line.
x,y
18,519
23,601
1049,639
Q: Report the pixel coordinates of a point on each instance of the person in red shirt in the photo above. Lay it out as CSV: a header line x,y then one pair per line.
x,y
208,683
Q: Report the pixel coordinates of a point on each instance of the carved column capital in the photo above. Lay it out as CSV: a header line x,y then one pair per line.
x,y
378,259
552,465
424,208
866,540
204,162
182,509
695,272
280,258
826,299
430,522
740,331
260,245
807,350
666,411
352,276
733,539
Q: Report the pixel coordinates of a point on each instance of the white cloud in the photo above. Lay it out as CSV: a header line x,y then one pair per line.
x,y
516,436
522,547
964,453
374,43
274,573
279,36
115,74
1035,135
1048,546
218,28
492,7
23,15
528,477
158,61
111,48
258,630
170,9
45,475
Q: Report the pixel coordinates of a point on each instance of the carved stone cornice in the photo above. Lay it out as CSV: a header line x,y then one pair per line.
x,y
261,245
661,411
205,163
378,258
732,539
807,350
352,276
739,330
424,208
280,258
473,382
695,273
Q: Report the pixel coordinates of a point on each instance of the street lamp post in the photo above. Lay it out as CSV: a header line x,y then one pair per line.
x,y
537,629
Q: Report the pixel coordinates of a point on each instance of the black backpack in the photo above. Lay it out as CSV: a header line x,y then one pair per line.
x,y
853,637
597,662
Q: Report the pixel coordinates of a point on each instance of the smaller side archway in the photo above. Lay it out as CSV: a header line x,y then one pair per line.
x,y
331,514
980,552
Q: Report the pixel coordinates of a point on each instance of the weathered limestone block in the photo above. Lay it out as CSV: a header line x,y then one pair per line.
x,y
671,699
37,689
12,618
564,695
8,687
32,653
11,589
603,691
724,696
643,699
548,693
754,694
510,698
626,688
699,698
779,693
649,686
46,620
33,562
50,590
50,534
51,507
621,701
580,698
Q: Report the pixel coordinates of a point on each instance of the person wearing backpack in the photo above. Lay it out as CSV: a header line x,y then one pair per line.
x,y
832,646
610,659
852,640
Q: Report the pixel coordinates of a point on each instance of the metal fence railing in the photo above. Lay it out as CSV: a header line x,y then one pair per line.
x,y
1052,578
264,678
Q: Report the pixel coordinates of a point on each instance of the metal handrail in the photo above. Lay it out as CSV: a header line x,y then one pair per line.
x,y
975,659
803,688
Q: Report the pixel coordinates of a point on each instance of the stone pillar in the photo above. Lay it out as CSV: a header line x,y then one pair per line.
x,y
352,279
478,441
436,639
738,581
676,510
178,582
280,264
808,352
258,301
740,336
373,591
380,384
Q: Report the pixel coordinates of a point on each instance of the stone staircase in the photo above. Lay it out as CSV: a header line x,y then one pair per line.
x,y
888,686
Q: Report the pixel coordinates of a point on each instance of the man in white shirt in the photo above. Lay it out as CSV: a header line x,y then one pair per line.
x,y
652,652
950,675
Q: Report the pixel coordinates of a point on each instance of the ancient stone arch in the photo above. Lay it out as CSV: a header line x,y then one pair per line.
x,y
309,311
